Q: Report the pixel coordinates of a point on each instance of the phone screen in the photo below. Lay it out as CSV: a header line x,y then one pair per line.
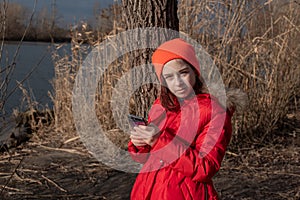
x,y
136,120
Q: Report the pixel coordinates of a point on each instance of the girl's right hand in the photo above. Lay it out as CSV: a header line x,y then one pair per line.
x,y
149,134
137,139
137,142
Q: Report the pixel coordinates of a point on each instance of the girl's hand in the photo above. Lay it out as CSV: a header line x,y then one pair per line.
x,y
138,142
148,134
137,139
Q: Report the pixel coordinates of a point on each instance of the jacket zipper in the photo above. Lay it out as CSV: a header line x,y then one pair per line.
x,y
206,191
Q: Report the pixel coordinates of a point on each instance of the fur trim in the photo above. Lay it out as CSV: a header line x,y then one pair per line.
x,y
236,100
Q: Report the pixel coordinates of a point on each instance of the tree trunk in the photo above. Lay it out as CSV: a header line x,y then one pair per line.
x,y
144,14
135,14
150,13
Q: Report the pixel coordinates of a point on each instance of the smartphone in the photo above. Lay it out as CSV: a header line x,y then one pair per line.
x,y
136,120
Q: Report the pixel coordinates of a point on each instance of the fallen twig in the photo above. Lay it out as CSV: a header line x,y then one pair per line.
x,y
73,151
53,183
5,186
71,140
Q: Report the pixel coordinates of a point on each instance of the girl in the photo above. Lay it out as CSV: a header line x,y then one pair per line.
x,y
187,134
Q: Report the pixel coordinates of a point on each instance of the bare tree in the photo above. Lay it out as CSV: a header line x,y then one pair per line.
x,y
10,24
15,16
137,14
104,18
143,14
40,25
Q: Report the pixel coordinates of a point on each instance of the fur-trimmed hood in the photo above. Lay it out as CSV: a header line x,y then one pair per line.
x,y
234,99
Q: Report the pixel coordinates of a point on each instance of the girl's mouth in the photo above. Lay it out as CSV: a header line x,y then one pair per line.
x,y
180,90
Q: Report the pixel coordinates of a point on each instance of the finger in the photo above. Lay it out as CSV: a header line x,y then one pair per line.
x,y
138,142
134,133
141,132
142,129
136,137
146,131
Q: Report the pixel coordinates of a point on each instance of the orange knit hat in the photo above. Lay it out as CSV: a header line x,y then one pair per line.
x,y
174,49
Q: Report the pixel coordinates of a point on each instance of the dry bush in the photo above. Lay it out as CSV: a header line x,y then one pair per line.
x,y
63,84
35,115
255,46
66,67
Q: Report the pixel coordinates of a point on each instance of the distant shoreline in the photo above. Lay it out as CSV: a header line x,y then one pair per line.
x,y
55,40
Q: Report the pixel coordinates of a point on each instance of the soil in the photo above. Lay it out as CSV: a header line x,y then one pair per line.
x,y
54,166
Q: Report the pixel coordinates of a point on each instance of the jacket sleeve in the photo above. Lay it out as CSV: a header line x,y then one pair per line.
x,y
139,154
202,159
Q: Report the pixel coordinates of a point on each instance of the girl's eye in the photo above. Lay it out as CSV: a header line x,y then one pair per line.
x,y
184,72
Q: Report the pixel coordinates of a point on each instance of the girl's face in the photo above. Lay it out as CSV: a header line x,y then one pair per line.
x,y
179,77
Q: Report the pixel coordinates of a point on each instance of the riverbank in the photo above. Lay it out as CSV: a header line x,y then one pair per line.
x,y
55,165
40,170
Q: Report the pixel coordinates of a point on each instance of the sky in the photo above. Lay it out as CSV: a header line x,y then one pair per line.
x,y
69,11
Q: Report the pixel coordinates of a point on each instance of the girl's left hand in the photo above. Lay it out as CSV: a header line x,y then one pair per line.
x,y
149,133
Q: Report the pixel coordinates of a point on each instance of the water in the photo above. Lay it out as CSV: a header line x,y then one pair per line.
x,y
35,57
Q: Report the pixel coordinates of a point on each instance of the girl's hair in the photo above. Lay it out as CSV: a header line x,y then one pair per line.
x,y
169,101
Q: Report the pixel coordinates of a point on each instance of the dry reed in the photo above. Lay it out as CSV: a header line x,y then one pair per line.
x,y
254,45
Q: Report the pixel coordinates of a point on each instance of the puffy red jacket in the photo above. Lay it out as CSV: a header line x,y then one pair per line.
x,y
187,154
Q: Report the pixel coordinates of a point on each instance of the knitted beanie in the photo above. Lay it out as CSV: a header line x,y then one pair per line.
x,y
174,49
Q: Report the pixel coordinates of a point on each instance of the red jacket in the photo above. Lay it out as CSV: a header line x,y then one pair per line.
x,y
187,154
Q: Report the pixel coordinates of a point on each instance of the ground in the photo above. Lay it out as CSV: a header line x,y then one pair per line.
x,y
50,166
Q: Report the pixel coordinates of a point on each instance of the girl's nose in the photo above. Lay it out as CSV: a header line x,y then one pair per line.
x,y
178,81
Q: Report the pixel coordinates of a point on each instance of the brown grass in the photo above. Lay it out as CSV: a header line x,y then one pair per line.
x,y
66,67
262,62
255,47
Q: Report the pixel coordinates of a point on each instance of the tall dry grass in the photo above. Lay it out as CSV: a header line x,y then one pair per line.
x,y
254,44
66,67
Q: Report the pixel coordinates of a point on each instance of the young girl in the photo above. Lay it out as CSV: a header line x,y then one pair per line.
x,y
187,133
